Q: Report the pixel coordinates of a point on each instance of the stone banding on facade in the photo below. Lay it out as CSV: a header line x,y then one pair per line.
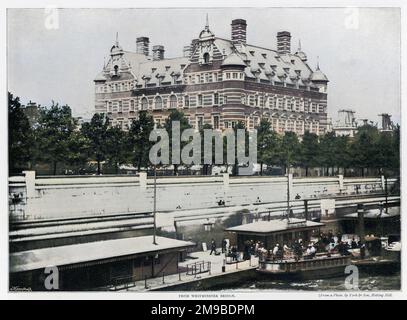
x,y
218,82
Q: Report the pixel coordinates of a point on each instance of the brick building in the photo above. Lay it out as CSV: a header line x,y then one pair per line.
x,y
216,81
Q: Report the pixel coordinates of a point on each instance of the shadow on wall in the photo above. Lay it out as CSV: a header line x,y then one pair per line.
x,y
203,231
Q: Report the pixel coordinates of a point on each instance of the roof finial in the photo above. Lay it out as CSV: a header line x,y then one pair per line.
x,y
207,22
117,38
317,62
299,45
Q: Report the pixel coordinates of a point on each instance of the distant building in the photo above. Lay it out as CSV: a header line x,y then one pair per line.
x,y
218,82
80,120
386,123
32,111
346,124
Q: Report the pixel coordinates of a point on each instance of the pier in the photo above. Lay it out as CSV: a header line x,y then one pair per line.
x,y
215,276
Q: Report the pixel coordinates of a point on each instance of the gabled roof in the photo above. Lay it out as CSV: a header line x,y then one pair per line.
x,y
92,252
274,226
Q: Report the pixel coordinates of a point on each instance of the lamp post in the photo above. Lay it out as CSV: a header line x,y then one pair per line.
x,y
288,192
155,205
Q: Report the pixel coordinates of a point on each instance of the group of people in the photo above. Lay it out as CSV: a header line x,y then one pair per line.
x,y
327,243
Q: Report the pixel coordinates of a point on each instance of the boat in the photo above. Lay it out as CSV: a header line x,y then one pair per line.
x,y
321,266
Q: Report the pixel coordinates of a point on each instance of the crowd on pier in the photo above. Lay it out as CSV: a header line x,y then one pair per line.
x,y
325,243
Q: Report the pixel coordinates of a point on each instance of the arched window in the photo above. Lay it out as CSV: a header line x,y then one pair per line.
x,y
158,103
173,102
144,103
206,57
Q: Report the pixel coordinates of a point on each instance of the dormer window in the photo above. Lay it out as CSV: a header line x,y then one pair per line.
x,y
167,68
264,55
206,57
116,69
252,53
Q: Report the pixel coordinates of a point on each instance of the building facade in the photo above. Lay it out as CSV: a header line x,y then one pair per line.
x,y
217,81
346,124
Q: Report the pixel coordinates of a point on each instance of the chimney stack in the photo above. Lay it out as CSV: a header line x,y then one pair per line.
x,y
283,42
187,51
158,52
142,44
239,31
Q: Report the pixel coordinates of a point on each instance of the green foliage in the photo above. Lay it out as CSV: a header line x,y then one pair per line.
x,y
309,151
55,139
20,135
268,145
116,143
176,115
138,140
95,135
290,151
55,130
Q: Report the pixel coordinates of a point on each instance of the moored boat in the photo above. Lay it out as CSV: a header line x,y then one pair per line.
x,y
321,266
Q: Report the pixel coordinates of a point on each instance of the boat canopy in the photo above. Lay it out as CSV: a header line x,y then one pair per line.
x,y
275,226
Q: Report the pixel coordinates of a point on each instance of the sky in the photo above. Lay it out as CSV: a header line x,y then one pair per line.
x,y
55,55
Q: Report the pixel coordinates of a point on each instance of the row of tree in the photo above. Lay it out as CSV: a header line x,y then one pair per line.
x,y
56,140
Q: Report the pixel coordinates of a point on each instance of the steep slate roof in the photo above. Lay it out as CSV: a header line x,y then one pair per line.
x,y
262,63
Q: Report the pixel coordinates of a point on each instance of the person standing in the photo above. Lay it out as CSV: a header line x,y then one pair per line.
x,y
224,244
213,246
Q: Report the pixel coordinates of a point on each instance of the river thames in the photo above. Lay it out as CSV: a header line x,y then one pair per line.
x,y
366,283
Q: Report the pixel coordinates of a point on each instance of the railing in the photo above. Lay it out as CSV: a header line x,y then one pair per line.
x,y
120,283
198,267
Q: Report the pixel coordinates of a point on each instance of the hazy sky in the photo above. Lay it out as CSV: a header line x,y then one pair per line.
x,y
359,51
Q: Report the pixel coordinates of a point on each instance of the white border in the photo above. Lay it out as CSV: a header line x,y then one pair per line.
x,y
258,295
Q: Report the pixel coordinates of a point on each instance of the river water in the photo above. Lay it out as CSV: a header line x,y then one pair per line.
x,y
366,282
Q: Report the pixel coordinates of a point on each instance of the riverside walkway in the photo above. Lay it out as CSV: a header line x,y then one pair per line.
x,y
187,279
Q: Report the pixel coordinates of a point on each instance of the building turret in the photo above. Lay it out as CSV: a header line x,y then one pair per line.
x,y
319,79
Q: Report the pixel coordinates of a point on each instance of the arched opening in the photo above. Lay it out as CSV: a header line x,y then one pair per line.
x,y
144,104
158,103
206,57
173,102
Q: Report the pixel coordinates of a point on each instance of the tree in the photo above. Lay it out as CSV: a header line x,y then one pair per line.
x,y
235,169
342,152
363,147
205,166
290,150
176,115
138,139
77,145
395,163
385,150
309,151
263,142
116,154
95,132
327,151
19,135
55,130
